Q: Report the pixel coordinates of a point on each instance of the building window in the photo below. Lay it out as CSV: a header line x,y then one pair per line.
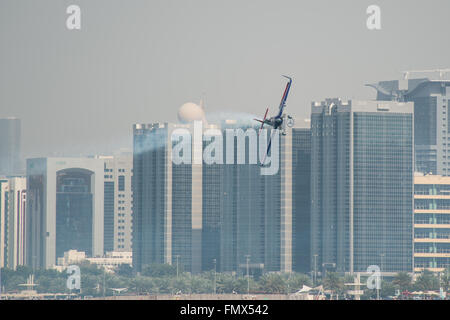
x,y
121,183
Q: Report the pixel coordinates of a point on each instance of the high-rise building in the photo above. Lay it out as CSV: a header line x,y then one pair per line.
x,y
361,185
202,216
118,171
64,208
431,222
10,161
431,121
12,221
167,201
4,192
301,199
256,216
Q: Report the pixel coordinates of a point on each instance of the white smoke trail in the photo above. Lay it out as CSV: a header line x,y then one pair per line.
x,y
243,119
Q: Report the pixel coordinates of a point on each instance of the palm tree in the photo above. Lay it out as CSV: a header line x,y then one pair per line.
x,y
445,280
272,283
427,281
295,281
333,282
402,280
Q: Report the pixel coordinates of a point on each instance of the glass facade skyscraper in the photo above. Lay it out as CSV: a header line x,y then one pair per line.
x,y
243,226
362,185
431,122
64,208
214,215
301,199
165,213
74,217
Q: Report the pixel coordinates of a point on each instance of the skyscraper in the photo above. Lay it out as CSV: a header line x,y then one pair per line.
x,y
64,208
431,121
256,213
362,185
10,161
12,221
118,171
167,201
301,199
4,190
221,215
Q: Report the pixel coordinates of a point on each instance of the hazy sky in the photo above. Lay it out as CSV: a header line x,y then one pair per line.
x,y
79,92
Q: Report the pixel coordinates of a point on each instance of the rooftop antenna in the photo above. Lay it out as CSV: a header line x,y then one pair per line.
x,y
202,106
202,101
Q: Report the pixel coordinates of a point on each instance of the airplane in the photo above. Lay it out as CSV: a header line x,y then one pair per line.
x,y
280,120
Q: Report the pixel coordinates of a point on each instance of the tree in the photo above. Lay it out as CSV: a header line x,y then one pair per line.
x,y
143,285
387,289
240,285
427,281
403,281
272,283
6,274
91,284
124,270
180,284
225,283
115,281
50,273
296,281
51,284
12,283
445,280
89,269
333,282
162,284
23,271
200,284
159,270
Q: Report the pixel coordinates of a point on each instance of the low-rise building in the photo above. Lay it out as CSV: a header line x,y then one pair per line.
x,y
110,261
431,222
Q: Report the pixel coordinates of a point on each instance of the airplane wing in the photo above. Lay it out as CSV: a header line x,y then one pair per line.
x,y
284,97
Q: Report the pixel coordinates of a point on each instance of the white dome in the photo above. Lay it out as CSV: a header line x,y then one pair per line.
x,y
189,112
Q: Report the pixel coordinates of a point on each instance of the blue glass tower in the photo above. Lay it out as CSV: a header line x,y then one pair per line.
x,y
362,185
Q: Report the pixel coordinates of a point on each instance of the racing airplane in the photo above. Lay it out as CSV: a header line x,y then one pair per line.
x,y
281,120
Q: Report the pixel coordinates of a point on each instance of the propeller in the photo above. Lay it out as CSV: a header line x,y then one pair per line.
x,y
262,121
